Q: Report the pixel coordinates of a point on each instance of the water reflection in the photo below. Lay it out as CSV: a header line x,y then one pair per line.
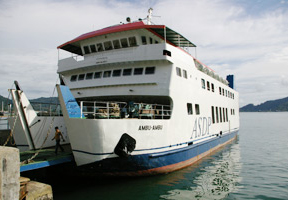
x,y
213,178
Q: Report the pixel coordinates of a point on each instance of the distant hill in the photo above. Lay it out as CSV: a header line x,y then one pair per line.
x,y
278,105
46,100
53,100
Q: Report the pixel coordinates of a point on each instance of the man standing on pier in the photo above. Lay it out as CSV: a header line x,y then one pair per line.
x,y
58,134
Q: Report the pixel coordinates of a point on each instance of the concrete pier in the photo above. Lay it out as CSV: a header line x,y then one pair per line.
x,y
9,173
38,191
10,179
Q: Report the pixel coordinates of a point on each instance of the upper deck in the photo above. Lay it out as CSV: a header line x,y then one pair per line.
x,y
161,31
121,44
110,53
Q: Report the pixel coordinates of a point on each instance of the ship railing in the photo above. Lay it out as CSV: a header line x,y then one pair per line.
x,y
47,109
124,110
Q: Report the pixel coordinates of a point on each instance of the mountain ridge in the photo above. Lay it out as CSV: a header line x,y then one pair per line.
x,y
278,105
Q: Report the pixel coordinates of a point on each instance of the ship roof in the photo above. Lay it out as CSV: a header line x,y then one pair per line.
x,y
172,36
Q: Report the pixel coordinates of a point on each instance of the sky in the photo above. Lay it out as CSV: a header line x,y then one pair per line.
x,y
246,38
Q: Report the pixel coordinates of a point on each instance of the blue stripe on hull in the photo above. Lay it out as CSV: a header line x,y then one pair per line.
x,y
147,164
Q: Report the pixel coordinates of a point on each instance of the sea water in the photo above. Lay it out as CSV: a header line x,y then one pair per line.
x,y
254,166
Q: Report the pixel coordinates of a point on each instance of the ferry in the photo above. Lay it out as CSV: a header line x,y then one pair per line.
x,y
33,124
136,103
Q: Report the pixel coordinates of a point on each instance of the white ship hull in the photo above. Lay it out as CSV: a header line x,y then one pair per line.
x,y
178,109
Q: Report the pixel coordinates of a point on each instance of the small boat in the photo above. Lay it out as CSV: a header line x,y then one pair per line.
x,y
34,129
135,102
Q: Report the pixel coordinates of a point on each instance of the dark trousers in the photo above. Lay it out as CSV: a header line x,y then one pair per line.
x,y
58,145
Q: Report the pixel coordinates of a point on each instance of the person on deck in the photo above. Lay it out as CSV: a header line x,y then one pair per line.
x,y
58,134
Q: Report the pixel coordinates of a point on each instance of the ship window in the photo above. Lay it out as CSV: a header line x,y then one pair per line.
x,y
203,83
223,91
81,77
184,73
150,70
124,42
89,76
73,78
116,44
107,74
100,47
208,86
178,71
138,71
197,109
217,116
86,50
144,41
93,48
212,87
213,115
220,114
98,75
116,72
227,115
224,115
108,45
132,41
220,90
189,109
156,42
127,72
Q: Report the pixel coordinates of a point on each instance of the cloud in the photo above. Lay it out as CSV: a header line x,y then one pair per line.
x,y
284,81
244,38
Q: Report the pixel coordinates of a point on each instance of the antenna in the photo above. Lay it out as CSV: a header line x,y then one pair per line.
x,y
149,16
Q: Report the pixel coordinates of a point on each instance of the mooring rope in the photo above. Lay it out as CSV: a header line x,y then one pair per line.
x,y
11,132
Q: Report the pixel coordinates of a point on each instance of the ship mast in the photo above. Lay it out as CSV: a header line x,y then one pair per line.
x,y
149,16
